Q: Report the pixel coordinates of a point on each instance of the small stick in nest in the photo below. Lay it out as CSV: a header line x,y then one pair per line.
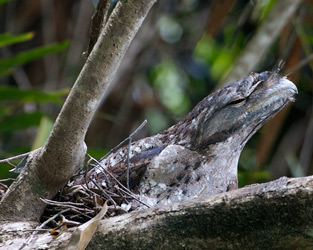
x,y
18,168
123,188
120,144
72,205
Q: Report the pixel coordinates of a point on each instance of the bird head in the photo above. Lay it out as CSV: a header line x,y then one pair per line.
x,y
234,113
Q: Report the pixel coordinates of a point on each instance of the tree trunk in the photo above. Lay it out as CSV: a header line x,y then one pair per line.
x,y
273,215
50,167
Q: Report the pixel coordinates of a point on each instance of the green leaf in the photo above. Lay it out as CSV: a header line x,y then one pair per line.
x,y
266,8
43,132
31,95
7,39
3,110
96,152
170,83
219,57
20,121
30,55
294,166
4,1
207,49
245,177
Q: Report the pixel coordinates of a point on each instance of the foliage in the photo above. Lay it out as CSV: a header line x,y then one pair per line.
x,y
7,64
170,82
13,100
8,39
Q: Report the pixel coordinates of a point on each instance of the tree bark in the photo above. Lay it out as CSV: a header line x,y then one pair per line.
x,y
273,215
63,154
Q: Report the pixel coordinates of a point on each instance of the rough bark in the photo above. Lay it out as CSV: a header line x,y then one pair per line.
x,y
274,215
64,152
262,40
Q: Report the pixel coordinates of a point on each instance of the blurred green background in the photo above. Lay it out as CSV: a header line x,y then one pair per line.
x,y
184,51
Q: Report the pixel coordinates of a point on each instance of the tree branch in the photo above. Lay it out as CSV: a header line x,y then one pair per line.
x,y
51,167
273,215
98,22
264,216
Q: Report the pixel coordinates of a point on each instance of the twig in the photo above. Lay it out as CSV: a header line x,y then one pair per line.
x,y
300,64
81,213
11,164
110,193
129,138
35,230
8,179
103,168
67,222
51,202
123,197
121,143
139,128
40,228
67,204
53,217
127,191
3,187
88,163
17,157
76,189
105,193
135,198
128,153
117,208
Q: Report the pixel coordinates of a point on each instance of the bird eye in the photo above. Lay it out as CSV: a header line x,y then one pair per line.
x,y
238,102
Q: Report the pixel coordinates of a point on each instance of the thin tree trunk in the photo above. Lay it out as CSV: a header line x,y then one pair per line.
x,y
51,167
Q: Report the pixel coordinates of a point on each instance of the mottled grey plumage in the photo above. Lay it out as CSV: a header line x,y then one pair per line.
x,y
198,157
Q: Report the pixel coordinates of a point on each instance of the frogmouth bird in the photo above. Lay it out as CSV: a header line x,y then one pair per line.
x,y
198,156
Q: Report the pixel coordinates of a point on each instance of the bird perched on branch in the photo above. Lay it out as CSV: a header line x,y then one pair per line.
x,y
198,156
